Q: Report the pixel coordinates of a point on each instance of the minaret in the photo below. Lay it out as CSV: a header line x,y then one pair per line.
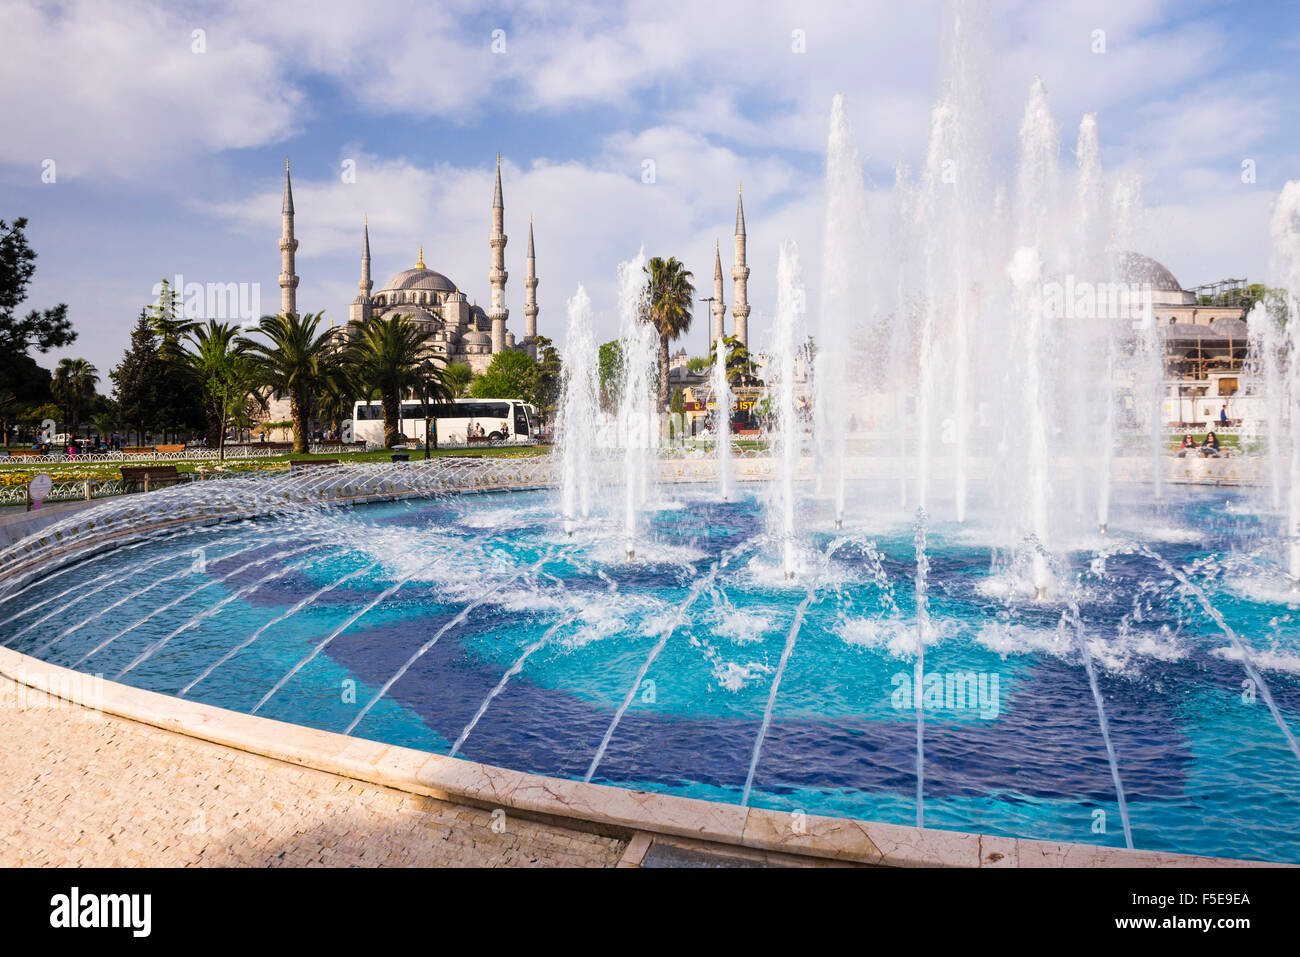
x,y
365,285
498,275
530,283
718,307
740,278
288,246
360,309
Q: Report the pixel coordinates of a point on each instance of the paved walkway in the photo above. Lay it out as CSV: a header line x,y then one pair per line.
x,y
77,788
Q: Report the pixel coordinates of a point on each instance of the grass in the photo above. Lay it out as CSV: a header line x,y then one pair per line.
x,y
1227,440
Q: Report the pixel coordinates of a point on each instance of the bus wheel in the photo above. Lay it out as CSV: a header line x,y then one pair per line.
x,y
496,437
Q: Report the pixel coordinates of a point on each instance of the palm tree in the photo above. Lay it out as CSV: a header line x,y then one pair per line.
x,y
456,376
294,360
226,376
742,370
385,357
431,386
74,386
668,302
335,395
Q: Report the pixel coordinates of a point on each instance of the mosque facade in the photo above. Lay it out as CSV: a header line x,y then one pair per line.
x,y
462,330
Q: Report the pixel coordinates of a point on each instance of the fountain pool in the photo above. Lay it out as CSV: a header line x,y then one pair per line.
x,y
474,621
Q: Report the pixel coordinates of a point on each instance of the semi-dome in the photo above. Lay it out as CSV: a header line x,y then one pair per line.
x,y
419,315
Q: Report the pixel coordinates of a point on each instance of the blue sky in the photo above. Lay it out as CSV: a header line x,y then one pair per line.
x,y
170,161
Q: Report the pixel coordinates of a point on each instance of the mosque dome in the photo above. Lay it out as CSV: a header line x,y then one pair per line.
x,y
1135,267
419,278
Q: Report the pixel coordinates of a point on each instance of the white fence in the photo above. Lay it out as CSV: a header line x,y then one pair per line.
x,y
188,455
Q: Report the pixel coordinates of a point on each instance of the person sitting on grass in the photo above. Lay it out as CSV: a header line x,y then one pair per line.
x,y
1188,447
1211,447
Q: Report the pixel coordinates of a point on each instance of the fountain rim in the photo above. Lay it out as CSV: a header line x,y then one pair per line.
x,y
576,803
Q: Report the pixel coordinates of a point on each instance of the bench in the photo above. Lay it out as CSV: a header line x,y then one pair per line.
x,y
152,476
138,450
169,448
24,454
308,463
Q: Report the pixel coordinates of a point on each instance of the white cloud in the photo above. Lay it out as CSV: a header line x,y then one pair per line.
x,y
112,86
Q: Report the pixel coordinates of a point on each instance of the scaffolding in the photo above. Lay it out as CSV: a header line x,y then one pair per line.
x,y
1225,292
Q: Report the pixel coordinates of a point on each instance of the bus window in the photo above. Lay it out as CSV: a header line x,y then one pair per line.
x,y
521,420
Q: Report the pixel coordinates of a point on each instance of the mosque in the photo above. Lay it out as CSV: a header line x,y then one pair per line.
x,y
462,332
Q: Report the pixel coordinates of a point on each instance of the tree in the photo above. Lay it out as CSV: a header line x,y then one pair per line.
x,y
1274,299
169,324
698,363
137,380
457,377
39,330
225,376
386,356
335,395
181,404
550,370
23,384
609,370
677,406
293,360
669,298
741,368
511,375
74,387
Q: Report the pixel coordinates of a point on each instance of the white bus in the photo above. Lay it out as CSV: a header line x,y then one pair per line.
x,y
460,422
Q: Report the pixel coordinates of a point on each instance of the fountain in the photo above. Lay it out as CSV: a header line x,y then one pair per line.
x,y
1265,349
578,418
844,250
923,634
1286,250
722,424
787,441
1090,243
636,412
